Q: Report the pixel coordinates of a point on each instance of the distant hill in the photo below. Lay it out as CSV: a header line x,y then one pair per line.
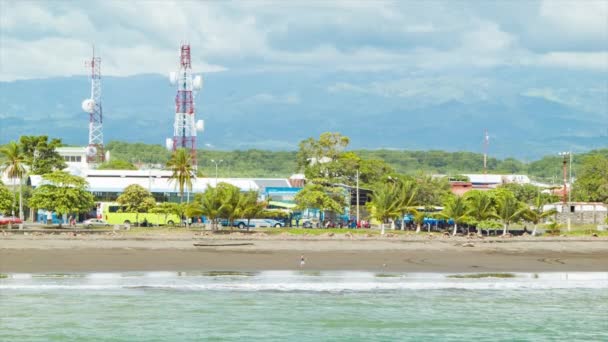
x,y
275,111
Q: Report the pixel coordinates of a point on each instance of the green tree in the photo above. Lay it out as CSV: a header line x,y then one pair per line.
x,y
591,185
480,207
12,165
322,198
407,191
183,170
63,194
249,206
455,208
508,209
230,202
523,192
329,146
41,154
535,214
136,199
116,164
7,204
432,190
385,203
210,204
418,219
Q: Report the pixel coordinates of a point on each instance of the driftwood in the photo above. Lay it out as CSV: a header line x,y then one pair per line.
x,y
223,244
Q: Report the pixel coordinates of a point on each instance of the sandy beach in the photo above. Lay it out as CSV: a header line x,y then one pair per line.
x,y
177,252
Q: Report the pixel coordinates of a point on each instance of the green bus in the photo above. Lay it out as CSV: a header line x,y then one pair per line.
x,y
114,213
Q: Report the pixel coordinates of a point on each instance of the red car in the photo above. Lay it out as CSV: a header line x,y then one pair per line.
x,y
5,220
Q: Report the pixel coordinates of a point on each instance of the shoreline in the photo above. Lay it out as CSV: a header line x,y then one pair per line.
x,y
48,254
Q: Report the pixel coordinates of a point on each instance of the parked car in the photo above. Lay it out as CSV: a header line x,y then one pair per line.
x,y
10,219
275,223
253,223
95,223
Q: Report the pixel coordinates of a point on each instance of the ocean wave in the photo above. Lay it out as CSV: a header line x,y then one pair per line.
x,y
299,283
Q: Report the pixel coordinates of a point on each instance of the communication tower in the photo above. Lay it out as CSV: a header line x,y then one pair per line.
x,y
92,105
486,144
185,126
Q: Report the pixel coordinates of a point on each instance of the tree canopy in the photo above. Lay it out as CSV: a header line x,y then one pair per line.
x,y
41,154
136,199
116,164
63,194
591,185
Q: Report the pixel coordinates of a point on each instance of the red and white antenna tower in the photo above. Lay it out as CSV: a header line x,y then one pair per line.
x,y
185,126
92,105
486,144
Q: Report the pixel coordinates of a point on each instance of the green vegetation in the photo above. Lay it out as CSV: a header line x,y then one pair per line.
x,y
259,163
116,164
40,154
7,200
482,275
183,170
13,164
592,182
63,194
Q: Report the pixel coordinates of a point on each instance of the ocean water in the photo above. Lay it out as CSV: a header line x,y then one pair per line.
x,y
302,306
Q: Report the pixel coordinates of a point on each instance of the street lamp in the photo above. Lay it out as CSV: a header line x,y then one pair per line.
x,y
216,164
566,195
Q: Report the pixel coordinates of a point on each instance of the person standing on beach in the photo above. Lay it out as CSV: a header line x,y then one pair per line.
x,y
302,262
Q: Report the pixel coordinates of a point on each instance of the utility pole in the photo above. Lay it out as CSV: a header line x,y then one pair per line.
x,y
357,197
566,194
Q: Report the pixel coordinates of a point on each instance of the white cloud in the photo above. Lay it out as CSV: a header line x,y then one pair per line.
x,y
588,17
41,39
288,98
576,60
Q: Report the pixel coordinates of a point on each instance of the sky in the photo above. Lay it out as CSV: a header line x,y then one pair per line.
x,y
48,38
437,51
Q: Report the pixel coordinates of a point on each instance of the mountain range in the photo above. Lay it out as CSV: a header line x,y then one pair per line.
x,y
275,110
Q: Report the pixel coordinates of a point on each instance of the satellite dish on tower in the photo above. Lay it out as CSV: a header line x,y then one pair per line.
x,y
197,83
200,125
172,77
88,105
169,144
91,151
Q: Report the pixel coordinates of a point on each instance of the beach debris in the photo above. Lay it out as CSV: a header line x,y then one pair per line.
x,y
223,244
447,234
348,235
330,234
468,244
594,235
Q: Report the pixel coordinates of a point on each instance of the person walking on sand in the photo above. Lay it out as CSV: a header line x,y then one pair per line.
x,y
302,262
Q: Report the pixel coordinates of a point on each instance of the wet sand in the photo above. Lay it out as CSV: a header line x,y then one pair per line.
x,y
42,254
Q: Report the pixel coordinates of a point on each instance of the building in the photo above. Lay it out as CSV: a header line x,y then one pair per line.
x,y
579,212
75,158
107,185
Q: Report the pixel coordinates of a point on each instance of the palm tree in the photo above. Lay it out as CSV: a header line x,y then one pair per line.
x,y
384,204
455,208
408,191
481,206
509,209
249,206
535,214
418,219
13,165
183,170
